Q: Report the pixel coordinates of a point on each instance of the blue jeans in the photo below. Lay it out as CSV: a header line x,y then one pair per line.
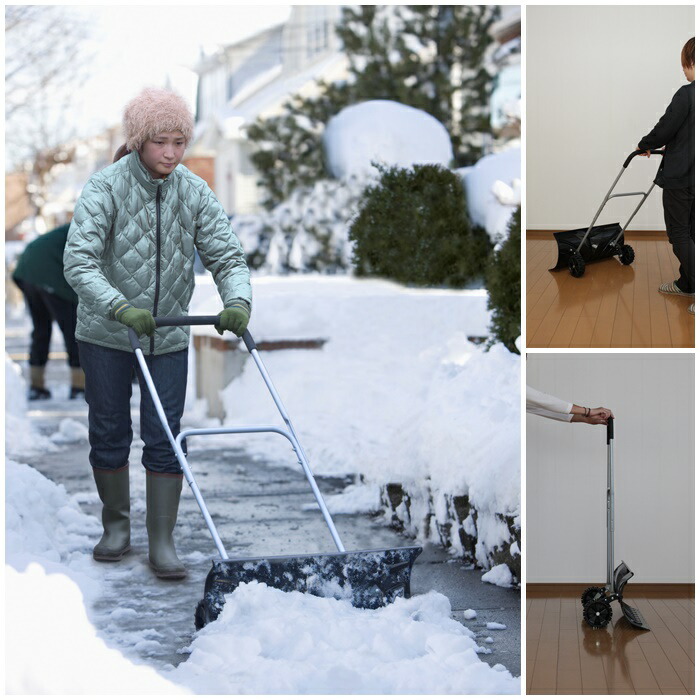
x,y
108,375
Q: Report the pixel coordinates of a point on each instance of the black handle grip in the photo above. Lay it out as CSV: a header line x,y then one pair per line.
x,y
639,153
162,321
611,430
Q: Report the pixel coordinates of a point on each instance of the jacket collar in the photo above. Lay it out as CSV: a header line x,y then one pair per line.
x,y
149,183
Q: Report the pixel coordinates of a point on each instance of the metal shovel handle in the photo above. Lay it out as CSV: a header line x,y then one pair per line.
x,y
631,156
292,436
162,321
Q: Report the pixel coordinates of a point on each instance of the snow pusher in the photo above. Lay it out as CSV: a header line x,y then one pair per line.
x,y
367,578
597,601
586,245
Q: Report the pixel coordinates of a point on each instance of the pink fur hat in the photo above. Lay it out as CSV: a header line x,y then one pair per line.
x,y
153,111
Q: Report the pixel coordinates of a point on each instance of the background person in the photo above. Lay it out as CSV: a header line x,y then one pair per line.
x,y
49,298
676,131
130,257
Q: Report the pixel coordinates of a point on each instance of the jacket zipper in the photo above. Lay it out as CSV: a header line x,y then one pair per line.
x,y
155,301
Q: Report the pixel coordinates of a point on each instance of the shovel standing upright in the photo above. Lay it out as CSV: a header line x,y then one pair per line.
x,y
367,578
586,245
597,601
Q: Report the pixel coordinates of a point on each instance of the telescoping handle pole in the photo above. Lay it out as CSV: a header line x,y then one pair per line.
x,y
611,504
252,348
609,195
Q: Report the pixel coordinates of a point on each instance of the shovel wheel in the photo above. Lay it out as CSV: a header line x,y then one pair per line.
x,y
597,613
591,594
577,266
627,255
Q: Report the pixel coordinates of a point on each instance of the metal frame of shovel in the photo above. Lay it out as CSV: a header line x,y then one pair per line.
x,y
367,578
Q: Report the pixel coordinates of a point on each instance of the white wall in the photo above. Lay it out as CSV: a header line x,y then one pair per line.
x,y
598,79
651,396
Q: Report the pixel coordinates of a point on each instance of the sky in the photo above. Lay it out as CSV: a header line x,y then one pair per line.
x,y
136,46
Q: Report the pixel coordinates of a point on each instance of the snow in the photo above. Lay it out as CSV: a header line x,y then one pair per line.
x,y
65,656
500,576
70,431
384,399
469,614
495,626
266,641
356,498
493,191
20,437
386,132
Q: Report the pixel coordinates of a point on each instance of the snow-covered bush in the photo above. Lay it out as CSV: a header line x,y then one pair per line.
x,y
413,228
306,233
503,285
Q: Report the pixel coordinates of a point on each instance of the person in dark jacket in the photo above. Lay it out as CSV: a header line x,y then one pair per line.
x,y
676,131
49,298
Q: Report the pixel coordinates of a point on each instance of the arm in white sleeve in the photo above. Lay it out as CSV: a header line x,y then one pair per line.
x,y
539,400
564,417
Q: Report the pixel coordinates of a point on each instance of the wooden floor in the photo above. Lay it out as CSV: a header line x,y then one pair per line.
x,y
566,656
612,305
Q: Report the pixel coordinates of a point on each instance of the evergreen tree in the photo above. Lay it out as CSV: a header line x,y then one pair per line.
x,y
503,286
431,57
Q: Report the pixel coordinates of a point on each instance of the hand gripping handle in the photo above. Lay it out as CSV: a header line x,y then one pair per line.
x,y
610,429
188,321
639,153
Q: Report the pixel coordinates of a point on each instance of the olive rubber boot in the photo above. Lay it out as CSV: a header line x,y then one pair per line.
x,y
162,501
113,488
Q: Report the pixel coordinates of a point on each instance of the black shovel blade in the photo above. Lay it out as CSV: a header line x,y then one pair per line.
x,y
634,617
368,579
621,576
598,245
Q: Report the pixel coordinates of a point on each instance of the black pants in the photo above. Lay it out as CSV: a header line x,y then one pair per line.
x,y
679,216
45,308
108,395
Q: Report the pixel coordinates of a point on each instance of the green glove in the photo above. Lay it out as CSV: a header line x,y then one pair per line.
x,y
141,320
234,319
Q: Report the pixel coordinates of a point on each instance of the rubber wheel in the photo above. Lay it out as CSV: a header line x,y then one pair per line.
x,y
597,613
627,255
576,264
590,594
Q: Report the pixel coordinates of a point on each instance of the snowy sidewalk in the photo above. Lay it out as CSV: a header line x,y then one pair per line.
x,y
259,510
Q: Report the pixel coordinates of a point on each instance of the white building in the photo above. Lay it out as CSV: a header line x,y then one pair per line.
x,y
253,78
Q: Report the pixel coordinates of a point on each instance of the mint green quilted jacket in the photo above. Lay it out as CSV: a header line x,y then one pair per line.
x,y
133,237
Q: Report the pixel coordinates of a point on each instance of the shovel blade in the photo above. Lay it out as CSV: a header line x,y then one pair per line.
x,y
598,245
368,578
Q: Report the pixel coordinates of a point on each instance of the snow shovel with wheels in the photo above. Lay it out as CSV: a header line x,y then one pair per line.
x,y
586,245
597,601
368,578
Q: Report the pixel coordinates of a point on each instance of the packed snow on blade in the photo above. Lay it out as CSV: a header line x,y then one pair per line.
x,y
368,579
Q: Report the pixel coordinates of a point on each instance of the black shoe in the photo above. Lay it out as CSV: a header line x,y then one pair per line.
x,y
38,394
76,393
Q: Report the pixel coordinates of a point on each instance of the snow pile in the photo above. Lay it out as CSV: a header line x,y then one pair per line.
x,y
492,187
429,410
469,614
43,524
20,436
356,498
54,649
500,576
70,431
386,132
266,641
307,232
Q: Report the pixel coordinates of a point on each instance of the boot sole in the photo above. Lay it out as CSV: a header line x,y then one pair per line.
x,y
118,556
168,575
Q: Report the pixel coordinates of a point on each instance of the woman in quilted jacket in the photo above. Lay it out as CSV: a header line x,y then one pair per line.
x,y
129,257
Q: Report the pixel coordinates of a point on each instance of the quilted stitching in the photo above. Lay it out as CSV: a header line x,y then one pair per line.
x,y
111,251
